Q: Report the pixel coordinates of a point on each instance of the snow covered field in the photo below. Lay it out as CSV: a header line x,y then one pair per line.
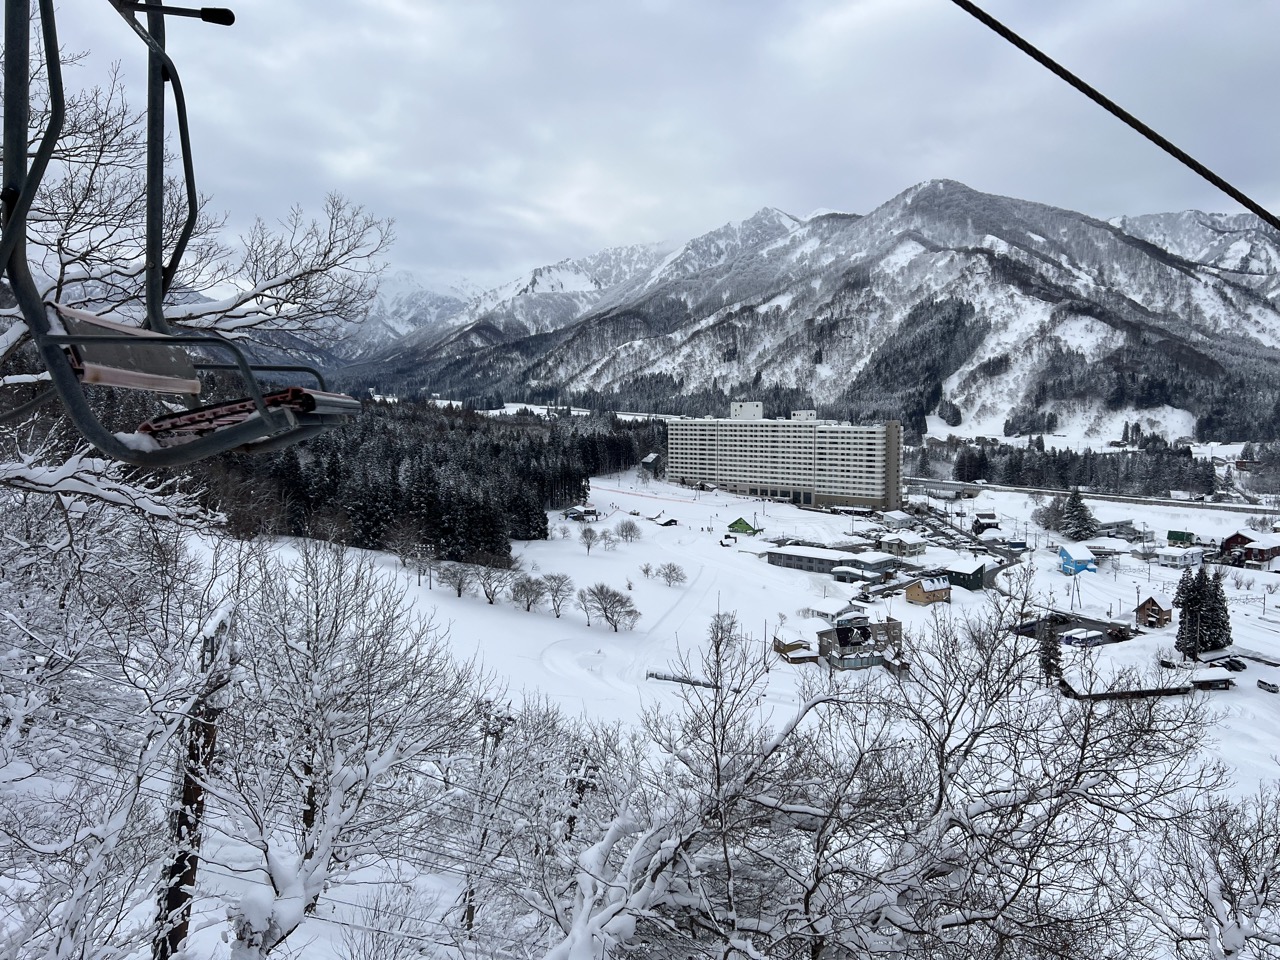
x,y
591,670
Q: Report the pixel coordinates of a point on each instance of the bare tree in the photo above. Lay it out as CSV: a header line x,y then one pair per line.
x,y
1213,886
559,589
613,606
115,662
529,591
588,537
86,232
671,574
392,924
965,812
628,531
460,577
608,540
495,576
355,696
646,570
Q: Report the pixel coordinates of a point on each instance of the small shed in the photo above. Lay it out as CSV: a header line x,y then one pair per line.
x,y
1076,558
741,526
926,591
652,465
795,650
1156,610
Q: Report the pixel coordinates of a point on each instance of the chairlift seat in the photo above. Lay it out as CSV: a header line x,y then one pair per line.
x,y
135,359
107,353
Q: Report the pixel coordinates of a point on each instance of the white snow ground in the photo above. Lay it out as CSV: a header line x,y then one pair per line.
x,y
594,672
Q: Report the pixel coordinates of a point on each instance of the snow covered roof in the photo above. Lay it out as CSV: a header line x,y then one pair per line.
x,y
1078,551
906,536
1162,600
871,556
1177,551
967,567
827,605
933,584
897,515
1263,540
818,553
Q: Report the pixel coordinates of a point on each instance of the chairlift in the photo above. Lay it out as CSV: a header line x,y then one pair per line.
x,y
81,348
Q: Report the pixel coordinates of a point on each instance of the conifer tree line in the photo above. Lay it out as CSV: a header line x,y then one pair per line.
x,y
1152,471
413,475
1204,623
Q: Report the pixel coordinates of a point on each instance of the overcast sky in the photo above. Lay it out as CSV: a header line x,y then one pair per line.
x,y
505,135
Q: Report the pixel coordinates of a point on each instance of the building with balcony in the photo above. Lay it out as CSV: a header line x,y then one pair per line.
x,y
807,461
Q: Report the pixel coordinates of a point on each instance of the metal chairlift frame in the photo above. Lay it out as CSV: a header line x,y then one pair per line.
x,y
275,420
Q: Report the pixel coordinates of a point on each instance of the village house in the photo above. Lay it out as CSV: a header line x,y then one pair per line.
x,y
1076,558
741,526
984,520
869,567
795,649
796,641
809,559
1179,556
1253,548
903,544
968,574
826,609
896,520
1124,529
860,647
930,590
1155,611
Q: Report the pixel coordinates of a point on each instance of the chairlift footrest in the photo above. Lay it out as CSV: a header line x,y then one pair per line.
x,y
304,407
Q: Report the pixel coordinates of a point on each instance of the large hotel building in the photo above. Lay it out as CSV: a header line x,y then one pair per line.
x,y
805,460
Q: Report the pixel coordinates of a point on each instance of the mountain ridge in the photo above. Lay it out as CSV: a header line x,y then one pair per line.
x,y
1080,316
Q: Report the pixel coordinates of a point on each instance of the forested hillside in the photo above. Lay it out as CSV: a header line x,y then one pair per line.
x,y
410,475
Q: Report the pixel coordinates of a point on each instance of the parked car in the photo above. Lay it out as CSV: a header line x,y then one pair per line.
x,y
1235,664
1268,686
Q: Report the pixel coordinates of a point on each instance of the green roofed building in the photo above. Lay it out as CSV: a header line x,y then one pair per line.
x,y
741,526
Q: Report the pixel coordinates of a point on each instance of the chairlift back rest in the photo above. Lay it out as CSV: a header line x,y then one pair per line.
x,y
140,360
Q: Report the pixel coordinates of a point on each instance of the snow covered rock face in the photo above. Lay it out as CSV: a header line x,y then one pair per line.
x,y
1070,315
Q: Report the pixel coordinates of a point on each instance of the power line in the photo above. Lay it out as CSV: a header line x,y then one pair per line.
x,y
1119,112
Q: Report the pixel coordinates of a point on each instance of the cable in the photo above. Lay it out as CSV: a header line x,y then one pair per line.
x,y
1119,112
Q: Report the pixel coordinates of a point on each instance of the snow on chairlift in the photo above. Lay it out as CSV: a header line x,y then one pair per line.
x,y
80,348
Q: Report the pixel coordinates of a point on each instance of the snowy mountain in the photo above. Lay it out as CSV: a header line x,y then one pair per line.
x,y
403,306
1010,314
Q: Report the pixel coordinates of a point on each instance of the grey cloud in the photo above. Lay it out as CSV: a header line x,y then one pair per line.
x,y
502,135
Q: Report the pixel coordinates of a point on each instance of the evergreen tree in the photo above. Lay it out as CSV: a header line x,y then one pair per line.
x,y
1190,600
1078,521
1216,617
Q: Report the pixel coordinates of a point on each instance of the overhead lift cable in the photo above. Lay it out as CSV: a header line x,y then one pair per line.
x,y
1119,112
